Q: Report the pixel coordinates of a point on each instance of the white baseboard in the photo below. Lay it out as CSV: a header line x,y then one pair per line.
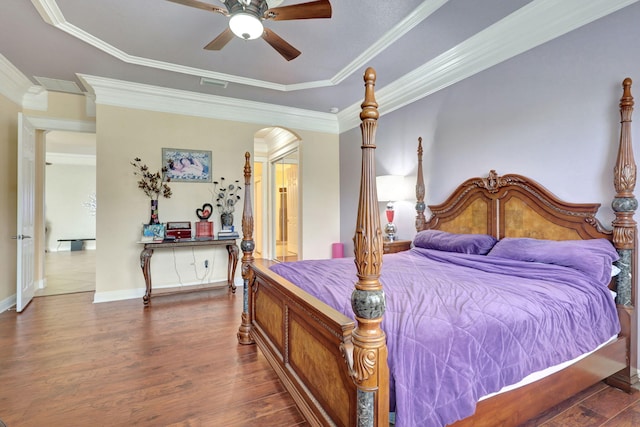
x,y
134,293
7,303
68,248
118,295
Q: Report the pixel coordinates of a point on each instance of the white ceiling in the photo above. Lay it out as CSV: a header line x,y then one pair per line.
x,y
417,47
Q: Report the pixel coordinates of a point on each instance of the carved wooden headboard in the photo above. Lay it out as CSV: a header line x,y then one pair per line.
x,y
513,206
517,206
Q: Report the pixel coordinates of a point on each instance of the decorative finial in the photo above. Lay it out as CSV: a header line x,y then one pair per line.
x,y
627,99
369,105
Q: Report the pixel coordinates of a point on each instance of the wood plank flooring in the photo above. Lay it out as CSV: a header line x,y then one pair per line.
x,y
65,361
68,272
68,362
597,406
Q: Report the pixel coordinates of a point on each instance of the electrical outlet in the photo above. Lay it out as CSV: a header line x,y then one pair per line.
x,y
206,263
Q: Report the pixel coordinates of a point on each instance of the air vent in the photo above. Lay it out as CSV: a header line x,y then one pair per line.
x,y
206,81
56,85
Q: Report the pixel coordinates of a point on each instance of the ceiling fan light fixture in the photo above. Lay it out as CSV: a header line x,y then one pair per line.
x,y
246,26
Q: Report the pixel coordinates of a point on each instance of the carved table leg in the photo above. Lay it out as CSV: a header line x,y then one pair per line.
x,y
233,262
145,260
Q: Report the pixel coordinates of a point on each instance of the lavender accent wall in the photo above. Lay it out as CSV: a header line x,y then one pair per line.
x,y
550,113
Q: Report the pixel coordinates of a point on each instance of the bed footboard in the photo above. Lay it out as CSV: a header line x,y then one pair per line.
x,y
303,338
335,368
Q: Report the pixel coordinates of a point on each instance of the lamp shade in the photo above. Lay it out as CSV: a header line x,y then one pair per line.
x,y
246,26
389,187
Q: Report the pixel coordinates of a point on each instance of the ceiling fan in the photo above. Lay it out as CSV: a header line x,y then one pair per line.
x,y
246,16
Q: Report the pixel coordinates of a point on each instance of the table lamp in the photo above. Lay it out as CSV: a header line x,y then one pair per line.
x,y
389,188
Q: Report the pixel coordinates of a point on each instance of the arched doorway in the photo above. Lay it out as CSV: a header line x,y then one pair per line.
x,y
277,194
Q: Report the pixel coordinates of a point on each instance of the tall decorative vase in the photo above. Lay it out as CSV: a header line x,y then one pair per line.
x,y
154,212
226,219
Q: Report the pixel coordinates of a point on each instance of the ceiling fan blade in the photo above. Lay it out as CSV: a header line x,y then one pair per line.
x,y
201,5
220,41
278,43
310,10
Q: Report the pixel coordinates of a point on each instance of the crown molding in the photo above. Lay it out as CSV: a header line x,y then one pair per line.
x,y
36,98
19,89
125,94
419,14
526,28
51,14
13,84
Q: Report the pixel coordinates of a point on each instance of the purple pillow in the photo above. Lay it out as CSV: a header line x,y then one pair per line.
x,y
477,244
592,257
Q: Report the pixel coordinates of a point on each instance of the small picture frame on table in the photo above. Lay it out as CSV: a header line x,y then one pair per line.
x,y
152,232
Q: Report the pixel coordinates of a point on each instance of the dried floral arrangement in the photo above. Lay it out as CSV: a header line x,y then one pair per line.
x,y
153,184
226,195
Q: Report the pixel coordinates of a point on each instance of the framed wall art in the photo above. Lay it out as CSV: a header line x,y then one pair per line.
x,y
187,165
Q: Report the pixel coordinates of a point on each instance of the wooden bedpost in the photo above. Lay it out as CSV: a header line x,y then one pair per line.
x,y
420,206
247,246
369,364
625,239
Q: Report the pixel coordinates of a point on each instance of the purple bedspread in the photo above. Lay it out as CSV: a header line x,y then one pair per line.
x,y
462,326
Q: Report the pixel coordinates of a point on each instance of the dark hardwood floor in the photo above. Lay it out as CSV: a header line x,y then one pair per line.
x,y
599,405
68,362
65,361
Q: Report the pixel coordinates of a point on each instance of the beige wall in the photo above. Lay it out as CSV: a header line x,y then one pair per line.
x,y
63,106
123,134
320,187
8,187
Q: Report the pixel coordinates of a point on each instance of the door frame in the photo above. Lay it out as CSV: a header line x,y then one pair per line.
x,y
43,125
277,155
261,206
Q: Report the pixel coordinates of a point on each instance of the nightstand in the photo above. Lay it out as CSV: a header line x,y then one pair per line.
x,y
396,246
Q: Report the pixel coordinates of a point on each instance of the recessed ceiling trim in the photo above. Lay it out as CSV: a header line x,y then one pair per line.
x,y
526,28
51,14
418,15
125,94
591,10
49,11
534,24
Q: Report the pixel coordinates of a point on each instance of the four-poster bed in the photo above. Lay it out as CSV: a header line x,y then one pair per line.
x,y
336,368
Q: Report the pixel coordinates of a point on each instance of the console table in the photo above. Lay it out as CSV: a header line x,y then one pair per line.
x,y
149,247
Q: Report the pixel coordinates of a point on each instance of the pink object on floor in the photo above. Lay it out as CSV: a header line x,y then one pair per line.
x,y
337,250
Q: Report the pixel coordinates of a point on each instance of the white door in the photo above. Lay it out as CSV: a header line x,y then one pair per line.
x,y
26,212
